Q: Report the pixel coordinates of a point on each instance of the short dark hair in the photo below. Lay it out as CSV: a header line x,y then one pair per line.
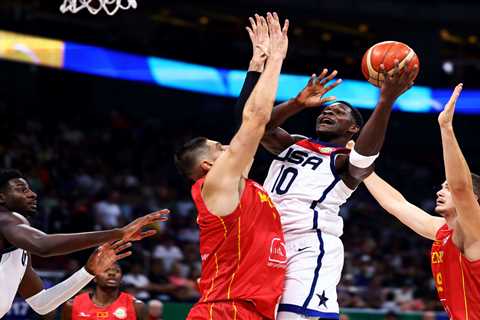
x,y
6,175
357,116
186,156
476,184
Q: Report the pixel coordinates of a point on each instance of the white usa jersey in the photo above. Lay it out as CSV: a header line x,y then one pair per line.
x,y
13,263
306,189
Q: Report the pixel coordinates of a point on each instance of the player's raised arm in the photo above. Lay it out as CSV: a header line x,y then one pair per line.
x,y
395,203
372,135
45,301
18,232
277,139
459,177
222,187
258,33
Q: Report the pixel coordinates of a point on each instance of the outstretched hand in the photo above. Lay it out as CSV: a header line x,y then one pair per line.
x,y
313,93
258,32
133,231
106,255
278,35
445,118
399,81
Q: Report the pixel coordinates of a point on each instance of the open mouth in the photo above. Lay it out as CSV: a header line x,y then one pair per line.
x,y
327,121
112,281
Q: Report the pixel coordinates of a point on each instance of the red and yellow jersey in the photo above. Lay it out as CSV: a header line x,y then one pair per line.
x,y
122,309
243,254
456,278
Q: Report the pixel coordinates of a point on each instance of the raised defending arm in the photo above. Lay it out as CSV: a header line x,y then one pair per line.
x,y
459,178
258,33
222,187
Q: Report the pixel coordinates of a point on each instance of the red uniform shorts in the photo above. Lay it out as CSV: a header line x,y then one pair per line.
x,y
225,310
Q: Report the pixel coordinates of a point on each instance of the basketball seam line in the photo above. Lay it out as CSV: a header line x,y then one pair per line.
x,y
383,60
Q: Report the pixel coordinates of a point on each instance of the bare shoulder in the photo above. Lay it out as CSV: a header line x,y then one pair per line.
x,y
8,218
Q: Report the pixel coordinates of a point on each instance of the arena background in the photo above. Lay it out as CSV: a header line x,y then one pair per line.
x,y
92,142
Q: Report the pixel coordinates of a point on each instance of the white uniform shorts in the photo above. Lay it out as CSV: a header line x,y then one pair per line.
x,y
314,268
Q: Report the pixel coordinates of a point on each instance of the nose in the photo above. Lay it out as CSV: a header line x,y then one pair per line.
x,y
32,195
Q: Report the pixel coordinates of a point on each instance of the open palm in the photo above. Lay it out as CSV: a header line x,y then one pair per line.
x,y
445,118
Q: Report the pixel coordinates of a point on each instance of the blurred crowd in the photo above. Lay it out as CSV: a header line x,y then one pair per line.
x,y
100,170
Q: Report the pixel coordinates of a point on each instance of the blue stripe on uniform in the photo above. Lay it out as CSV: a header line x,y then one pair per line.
x,y
307,312
317,271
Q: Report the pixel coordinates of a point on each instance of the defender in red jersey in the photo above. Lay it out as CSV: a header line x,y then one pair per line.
x,y
455,255
241,239
106,302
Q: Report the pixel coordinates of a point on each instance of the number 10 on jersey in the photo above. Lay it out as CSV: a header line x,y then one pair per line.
x,y
284,180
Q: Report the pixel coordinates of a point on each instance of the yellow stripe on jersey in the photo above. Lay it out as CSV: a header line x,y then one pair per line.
x,y
213,280
238,255
224,227
463,287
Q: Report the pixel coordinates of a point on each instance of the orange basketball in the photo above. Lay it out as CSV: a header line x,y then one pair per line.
x,y
386,53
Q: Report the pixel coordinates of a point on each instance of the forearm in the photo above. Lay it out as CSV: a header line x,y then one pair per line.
x,y
386,195
456,167
282,113
259,104
49,300
60,244
372,135
251,80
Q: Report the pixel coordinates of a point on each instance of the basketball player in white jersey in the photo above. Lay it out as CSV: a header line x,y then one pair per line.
x,y
310,179
18,240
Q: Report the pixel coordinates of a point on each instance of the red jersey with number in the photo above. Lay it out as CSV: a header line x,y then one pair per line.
x,y
457,279
243,253
122,309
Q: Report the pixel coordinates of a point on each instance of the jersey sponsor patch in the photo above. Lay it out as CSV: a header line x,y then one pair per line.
x,y
278,252
120,313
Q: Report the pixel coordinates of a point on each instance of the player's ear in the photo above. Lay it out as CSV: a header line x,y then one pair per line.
x,y
354,129
206,165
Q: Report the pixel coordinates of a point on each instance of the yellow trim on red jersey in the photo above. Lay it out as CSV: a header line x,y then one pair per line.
x,y
224,227
213,280
239,256
463,287
234,310
211,311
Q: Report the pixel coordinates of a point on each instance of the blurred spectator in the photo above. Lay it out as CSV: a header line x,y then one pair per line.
x,y
137,279
108,214
390,304
155,310
168,252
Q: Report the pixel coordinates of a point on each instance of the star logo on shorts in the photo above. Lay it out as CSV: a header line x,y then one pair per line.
x,y
323,299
